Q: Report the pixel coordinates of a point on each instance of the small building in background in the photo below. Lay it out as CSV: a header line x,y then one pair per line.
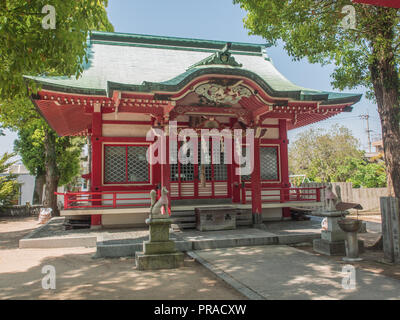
x,y
378,153
26,181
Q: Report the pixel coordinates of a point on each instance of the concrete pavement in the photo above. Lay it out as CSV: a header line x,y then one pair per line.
x,y
283,272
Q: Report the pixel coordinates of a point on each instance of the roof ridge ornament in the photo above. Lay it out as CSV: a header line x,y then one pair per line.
x,y
223,57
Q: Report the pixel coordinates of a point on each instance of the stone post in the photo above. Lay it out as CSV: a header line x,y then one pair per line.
x,y
390,228
351,247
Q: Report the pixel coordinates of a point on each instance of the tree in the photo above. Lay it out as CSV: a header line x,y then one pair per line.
x,y
366,56
334,156
28,49
362,173
30,146
9,186
318,153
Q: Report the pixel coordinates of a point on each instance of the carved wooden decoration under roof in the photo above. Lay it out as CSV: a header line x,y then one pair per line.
x,y
223,94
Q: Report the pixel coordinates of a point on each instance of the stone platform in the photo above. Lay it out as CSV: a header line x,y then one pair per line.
x,y
290,232
159,251
113,243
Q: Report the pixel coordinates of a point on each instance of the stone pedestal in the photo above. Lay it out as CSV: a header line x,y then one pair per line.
x,y
159,252
332,240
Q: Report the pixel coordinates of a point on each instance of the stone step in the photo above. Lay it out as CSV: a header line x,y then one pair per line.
x,y
182,213
183,219
186,225
246,222
243,217
107,249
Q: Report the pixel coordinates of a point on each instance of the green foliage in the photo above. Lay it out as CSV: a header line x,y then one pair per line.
x,y
312,29
30,146
68,157
26,48
9,187
362,173
318,153
334,156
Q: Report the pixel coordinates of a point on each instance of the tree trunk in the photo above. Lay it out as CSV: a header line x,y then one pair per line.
x,y
52,174
384,76
385,80
38,190
389,185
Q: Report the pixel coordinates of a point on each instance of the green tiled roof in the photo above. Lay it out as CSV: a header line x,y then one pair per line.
x,y
146,63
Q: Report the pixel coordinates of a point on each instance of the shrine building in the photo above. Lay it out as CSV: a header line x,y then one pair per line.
x,y
133,83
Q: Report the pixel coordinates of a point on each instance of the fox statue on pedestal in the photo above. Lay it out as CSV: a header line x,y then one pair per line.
x,y
159,209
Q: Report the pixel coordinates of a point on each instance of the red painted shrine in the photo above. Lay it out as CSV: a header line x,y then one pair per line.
x,y
133,83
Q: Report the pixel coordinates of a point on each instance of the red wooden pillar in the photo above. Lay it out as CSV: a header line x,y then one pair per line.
x,y
284,163
235,179
284,153
256,185
96,161
165,170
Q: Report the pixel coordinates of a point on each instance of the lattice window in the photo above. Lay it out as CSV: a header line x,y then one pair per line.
x,y
220,169
207,167
125,164
174,172
138,167
269,163
115,164
185,171
245,177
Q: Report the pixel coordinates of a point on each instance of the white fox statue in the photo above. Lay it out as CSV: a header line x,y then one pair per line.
x,y
159,209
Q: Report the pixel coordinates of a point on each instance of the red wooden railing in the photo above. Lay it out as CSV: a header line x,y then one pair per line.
x,y
116,199
282,195
81,200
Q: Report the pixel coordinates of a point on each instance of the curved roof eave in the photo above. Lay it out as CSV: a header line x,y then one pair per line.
x,y
181,81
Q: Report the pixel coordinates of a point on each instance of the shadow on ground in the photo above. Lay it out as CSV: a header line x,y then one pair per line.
x,y
281,272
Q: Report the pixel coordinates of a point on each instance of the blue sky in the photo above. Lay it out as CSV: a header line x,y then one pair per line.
x,y
222,20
